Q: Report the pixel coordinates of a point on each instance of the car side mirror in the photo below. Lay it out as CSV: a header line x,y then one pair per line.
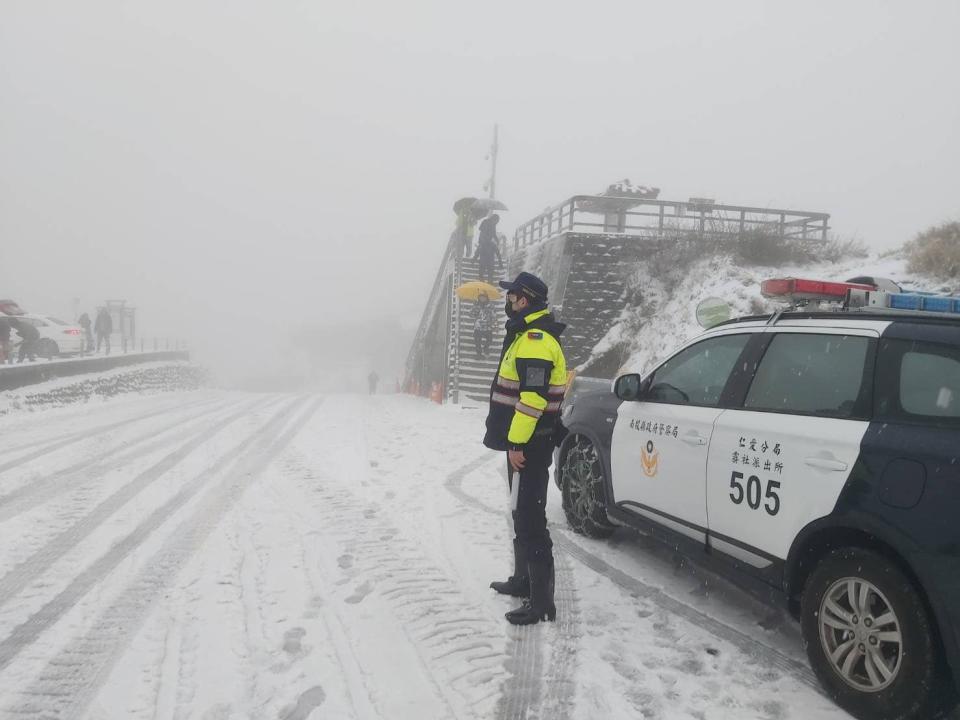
x,y
629,387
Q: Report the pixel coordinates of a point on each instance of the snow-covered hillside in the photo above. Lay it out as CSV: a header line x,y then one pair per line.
x,y
664,315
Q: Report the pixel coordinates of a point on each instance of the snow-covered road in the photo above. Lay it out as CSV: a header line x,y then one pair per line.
x,y
220,555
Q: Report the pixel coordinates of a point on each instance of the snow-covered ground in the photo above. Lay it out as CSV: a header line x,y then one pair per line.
x,y
219,555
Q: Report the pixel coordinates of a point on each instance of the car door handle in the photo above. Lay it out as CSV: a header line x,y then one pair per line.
x,y
693,439
826,463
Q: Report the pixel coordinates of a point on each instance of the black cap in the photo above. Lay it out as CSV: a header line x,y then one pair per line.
x,y
528,284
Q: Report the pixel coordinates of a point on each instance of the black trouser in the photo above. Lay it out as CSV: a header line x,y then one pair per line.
x,y
28,348
530,516
486,270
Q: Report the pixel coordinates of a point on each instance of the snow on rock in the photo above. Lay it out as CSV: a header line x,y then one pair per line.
x,y
145,378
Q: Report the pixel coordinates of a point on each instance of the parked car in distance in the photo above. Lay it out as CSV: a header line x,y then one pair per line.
x,y
57,337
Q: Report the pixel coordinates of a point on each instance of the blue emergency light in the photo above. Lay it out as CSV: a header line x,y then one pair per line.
x,y
858,295
924,302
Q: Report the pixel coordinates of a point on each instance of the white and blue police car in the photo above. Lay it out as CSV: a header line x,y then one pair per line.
x,y
815,451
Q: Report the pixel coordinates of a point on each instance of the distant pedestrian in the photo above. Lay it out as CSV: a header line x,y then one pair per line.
x,y
4,340
483,326
87,326
103,327
29,336
487,250
372,380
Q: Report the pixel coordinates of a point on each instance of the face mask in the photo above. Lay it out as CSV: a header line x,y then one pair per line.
x,y
508,309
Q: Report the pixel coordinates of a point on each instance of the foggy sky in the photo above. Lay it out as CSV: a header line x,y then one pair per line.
x,y
236,168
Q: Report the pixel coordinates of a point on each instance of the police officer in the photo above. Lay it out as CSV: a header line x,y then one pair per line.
x,y
525,403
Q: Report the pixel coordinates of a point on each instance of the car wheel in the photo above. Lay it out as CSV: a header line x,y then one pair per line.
x,y
869,637
581,477
47,348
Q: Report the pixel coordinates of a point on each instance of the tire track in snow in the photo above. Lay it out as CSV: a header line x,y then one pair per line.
x,y
89,431
27,571
37,492
763,654
530,687
263,610
86,434
71,679
26,633
453,636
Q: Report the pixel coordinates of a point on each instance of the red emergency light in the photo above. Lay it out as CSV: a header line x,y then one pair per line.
x,y
800,289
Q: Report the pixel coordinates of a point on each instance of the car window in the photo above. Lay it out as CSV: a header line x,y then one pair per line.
x,y
930,384
697,374
57,321
928,380
807,373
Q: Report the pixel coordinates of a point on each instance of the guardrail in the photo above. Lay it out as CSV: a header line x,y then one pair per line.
x,y
417,347
660,218
14,376
154,344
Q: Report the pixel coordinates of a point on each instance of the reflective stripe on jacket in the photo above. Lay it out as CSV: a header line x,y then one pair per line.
x,y
528,390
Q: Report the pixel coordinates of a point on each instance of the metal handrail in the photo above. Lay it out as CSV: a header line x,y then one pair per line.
x,y
454,246
670,215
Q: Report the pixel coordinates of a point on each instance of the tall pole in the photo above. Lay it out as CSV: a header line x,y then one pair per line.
x,y
493,165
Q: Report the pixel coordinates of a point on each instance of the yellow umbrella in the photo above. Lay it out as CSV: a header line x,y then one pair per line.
x,y
471,291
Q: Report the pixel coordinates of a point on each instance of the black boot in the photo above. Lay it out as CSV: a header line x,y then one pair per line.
x,y
540,605
518,584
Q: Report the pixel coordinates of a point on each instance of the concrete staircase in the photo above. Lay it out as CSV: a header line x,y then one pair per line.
x,y
586,274
470,375
592,298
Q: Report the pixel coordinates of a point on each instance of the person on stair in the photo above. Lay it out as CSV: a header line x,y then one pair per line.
x,y
483,326
487,250
525,399
462,235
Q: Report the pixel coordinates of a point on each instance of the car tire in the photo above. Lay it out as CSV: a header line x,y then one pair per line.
x,y
860,610
582,488
47,349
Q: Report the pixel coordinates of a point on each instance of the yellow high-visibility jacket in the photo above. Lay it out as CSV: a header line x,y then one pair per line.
x,y
526,395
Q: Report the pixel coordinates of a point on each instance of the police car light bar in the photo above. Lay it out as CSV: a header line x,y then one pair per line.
x,y
905,302
858,296
798,289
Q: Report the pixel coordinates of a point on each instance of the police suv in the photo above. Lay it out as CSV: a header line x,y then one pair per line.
x,y
815,451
